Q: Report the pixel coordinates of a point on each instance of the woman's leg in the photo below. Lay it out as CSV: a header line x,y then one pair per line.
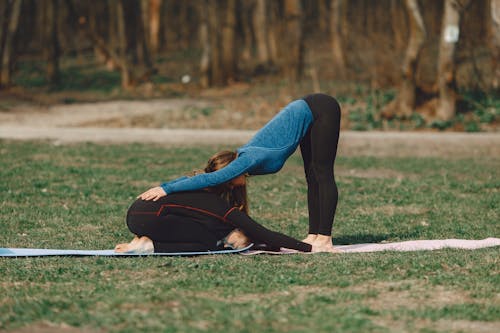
x,y
319,149
169,233
312,188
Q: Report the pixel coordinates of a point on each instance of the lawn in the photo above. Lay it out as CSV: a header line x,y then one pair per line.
x,y
76,196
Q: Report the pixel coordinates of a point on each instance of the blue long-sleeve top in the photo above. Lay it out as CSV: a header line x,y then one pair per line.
x,y
265,153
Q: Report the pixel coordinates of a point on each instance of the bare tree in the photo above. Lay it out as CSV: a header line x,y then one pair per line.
x,y
273,31
404,103
323,14
246,14
51,41
154,25
218,38
293,40
125,66
228,42
450,32
495,41
205,46
398,22
3,25
336,9
260,29
7,41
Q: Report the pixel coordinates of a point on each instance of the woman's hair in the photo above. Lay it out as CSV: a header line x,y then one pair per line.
x,y
236,196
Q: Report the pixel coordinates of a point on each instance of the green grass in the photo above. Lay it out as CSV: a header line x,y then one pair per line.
x,y
76,196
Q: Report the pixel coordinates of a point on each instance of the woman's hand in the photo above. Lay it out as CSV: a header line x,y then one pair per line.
x,y
153,194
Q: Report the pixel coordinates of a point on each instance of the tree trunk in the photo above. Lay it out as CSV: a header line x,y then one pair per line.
x,y
126,73
154,25
228,40
52,41
246,11
446,61
3,25
495,42
336,37
205,75
216,76
260,30
221,48
7,51
273,32
4,21
404,104
141,37
398,22
113,43
323,15
183,25
293,40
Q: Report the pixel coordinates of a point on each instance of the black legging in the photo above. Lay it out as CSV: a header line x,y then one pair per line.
x,y
319,148
171,232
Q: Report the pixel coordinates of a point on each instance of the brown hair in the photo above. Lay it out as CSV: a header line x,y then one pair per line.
x,y
236,196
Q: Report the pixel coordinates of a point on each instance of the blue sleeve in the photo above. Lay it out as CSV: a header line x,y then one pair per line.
x,y
234,169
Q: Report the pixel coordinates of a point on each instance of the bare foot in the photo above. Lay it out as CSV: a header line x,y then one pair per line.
x,y
310,239
123,247
323,243
137,245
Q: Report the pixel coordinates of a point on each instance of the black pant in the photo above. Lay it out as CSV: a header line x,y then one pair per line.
x,y
171,232
319,149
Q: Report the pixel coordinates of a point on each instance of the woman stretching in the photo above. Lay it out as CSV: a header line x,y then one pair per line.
x,y
202,220
312,122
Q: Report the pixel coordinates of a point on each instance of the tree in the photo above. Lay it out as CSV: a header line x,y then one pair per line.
x,y
8,30
495,41
218,38
51,40
228,42
293,40
404,103
450,33
205,75
338,58
154,25
260,29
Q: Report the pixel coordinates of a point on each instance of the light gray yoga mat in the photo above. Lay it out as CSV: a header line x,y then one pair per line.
x,y
24,252
415,245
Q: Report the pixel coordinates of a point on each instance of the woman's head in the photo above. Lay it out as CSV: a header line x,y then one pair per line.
x,y
234,191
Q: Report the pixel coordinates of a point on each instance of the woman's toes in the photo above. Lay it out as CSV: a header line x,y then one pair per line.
x,y
121,247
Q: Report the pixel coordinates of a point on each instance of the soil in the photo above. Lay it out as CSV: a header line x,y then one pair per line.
x,y
187,121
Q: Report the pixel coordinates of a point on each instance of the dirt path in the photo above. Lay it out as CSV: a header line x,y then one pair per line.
x,y
112,122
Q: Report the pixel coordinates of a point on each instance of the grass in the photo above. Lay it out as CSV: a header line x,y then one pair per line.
x,y
76,196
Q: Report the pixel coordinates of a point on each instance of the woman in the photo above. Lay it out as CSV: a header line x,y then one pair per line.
x,y
312,122
202,220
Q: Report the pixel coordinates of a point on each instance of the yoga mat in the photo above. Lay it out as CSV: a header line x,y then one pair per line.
x,y
24,252
415,245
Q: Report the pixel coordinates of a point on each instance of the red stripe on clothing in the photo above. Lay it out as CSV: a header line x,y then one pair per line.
x,y
229,212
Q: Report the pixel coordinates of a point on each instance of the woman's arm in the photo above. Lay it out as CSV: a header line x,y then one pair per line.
x,y
234,169
255,231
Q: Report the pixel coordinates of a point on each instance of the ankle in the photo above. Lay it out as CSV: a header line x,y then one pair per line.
x,y
310,238
323,239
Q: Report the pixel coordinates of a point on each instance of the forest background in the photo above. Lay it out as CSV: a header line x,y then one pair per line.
x,y
393,64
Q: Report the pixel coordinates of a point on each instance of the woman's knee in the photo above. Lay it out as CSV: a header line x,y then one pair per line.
x,y
323,173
